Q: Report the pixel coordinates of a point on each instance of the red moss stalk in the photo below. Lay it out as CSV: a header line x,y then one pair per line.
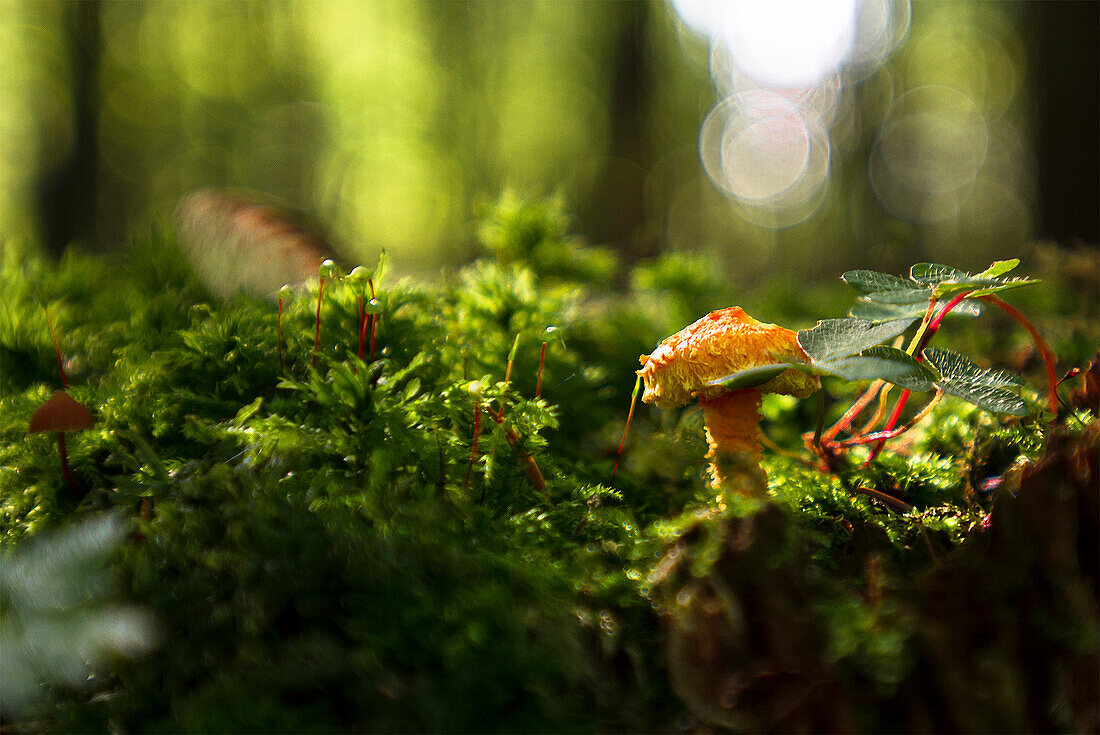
x,y
374,319
626,427
530,467
542,361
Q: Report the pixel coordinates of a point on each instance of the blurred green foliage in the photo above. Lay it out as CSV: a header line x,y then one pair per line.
x,y
390,122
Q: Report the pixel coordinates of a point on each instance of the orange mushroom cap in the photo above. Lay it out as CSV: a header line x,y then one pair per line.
x,y
61,413
721,343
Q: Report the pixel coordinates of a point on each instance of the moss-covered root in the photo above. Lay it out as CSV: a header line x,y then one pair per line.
x,y
733,434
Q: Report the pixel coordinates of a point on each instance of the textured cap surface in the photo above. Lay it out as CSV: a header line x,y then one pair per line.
x,y
61,413
721,343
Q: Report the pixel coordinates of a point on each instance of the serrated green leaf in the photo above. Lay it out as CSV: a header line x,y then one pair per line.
x,y
918,296
933,274
879,312
999,268
982,387
957,367
995,400
947,280
867,282
1007,284
831,339
880,362
885,288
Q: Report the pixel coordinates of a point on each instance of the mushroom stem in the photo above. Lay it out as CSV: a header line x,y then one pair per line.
x,y
733,433
66,472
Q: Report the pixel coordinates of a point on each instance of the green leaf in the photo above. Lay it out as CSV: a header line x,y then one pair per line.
x,y
999,268
918,296
995,400
752,377
885,288
867,282
933,274
1008,283
880,312
954,366
835,338
984,388
880,362
947,280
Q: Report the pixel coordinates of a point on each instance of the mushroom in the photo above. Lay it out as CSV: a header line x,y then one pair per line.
x,y
237,243
61,413
724,342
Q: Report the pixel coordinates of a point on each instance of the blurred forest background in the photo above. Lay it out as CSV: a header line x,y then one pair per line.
x,y
802,137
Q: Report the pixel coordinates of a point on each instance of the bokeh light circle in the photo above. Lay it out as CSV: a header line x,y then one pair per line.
x,y
788,43
764,153
880,27
928,153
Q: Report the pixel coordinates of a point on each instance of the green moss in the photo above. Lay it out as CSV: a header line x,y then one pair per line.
x,y
323,549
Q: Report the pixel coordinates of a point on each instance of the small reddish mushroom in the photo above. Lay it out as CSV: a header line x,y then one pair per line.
x,y
724,342
61,413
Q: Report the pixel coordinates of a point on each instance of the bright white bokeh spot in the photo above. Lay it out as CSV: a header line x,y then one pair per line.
x,y
765,158
763,152
779,43
880,27
704,17
780,67
797,43
789,43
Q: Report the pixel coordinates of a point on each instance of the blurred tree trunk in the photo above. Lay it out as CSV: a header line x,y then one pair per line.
x,y
67,195
1065,60
615,213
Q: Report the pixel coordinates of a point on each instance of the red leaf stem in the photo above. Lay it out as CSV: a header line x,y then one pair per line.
x,y
1048,355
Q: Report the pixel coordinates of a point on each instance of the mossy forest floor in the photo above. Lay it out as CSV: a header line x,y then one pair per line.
x,y
306,540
